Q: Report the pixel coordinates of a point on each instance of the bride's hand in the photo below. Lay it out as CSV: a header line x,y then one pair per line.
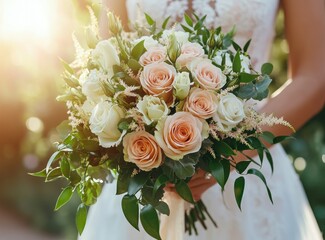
x,y
198,184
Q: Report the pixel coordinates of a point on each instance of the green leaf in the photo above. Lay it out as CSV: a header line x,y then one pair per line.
x,y
242,166
184,191
188,20
130,207
55,156
247,77
186,29
254,142
257,173
81,218
123,125
150,222
150,21
183,168
264,84
226,168
269,158
134,65
236,46
279,139
163,208
247,45
41,173
137,182
53,174
65,167
260,152
268,136
63,129
239,188
236,67
164,25
138,50
161,181
64,197
218,172
247,91
267,68
122,184
222,148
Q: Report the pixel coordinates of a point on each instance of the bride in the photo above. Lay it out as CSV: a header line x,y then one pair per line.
x,y
290,217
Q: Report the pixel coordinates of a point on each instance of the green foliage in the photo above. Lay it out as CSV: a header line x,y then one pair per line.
x,y
81,218
184,191
150,222
239,190
130,209
64,197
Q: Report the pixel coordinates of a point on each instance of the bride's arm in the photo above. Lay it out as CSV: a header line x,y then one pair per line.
x,y
304,94
118,7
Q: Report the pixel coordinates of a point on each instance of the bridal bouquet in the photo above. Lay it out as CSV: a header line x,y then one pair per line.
x,y
152,107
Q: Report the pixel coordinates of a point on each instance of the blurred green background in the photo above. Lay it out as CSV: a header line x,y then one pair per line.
x,y
33,34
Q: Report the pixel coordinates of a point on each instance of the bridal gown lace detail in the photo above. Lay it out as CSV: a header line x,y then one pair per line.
x,y
290,217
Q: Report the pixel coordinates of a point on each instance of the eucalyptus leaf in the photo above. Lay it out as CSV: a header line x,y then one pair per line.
x,y
239,188
267,68
264,84
64,197
130,207
247,91
81,218
150,222
279,139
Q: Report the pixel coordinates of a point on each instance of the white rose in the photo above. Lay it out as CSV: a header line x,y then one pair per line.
x,y
105,55
181,37
152,108
92,87
230,112
104,121
149,42
182,85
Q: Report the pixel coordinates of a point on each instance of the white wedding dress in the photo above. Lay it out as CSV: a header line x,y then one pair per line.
x,y
290,218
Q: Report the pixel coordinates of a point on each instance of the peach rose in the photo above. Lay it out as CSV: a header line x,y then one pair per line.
x,y
206,74
142,149
201,103
181,134
153,55
189,51
157,79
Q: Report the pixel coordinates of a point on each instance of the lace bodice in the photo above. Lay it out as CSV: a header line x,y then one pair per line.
x,y
253,19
